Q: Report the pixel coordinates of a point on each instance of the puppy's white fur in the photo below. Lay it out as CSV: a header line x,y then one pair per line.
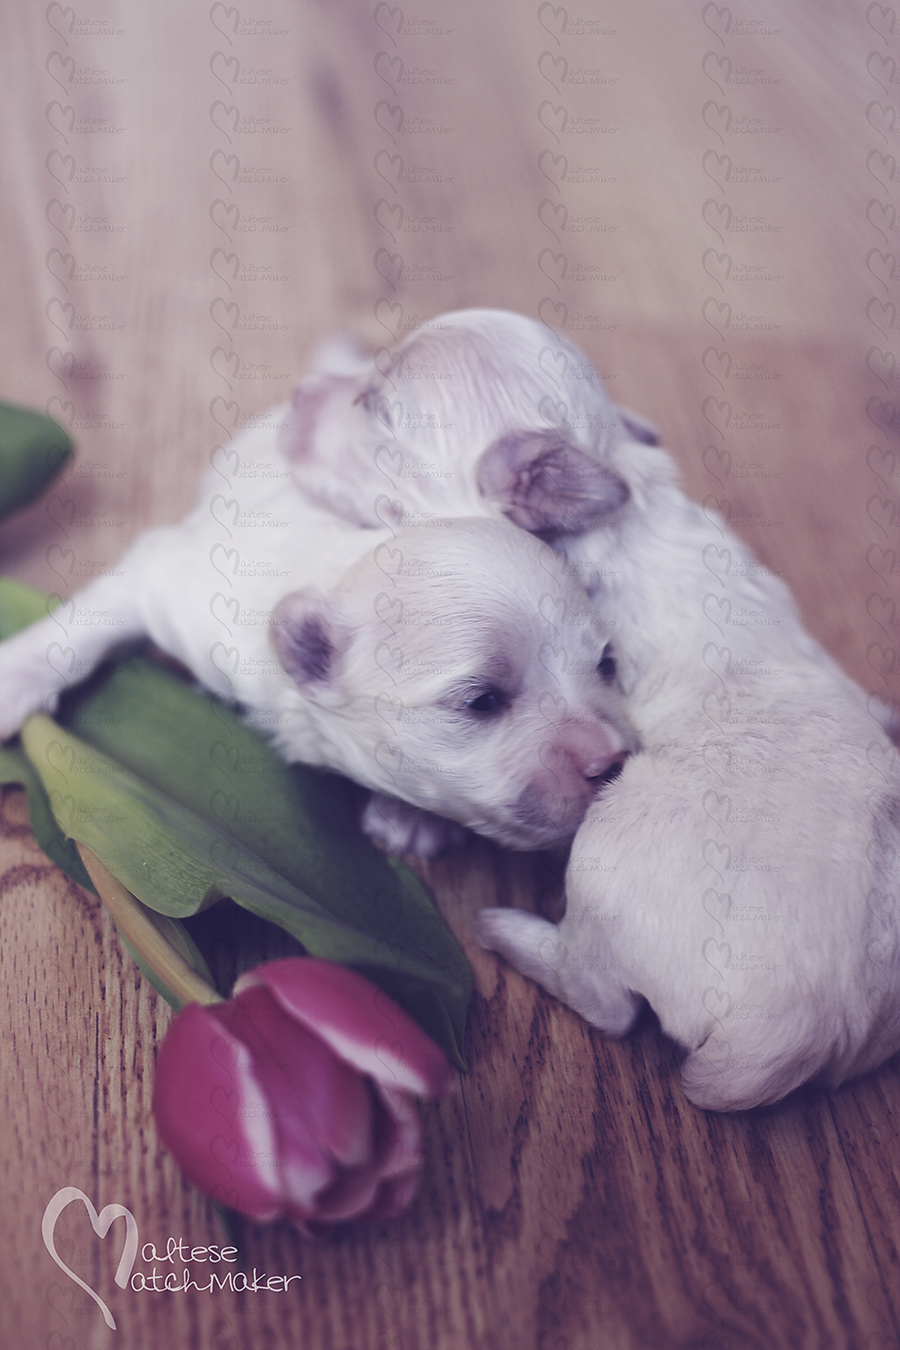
x,y
367,652
742,873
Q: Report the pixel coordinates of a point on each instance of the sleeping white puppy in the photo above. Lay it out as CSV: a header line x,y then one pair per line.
x,y
387,656
742,873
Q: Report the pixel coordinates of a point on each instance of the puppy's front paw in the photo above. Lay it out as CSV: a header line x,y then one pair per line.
x,y
27,685
401,828
16,709
532,945
584,979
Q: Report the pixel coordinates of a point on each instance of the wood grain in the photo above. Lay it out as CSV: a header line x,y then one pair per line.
x,y
705,198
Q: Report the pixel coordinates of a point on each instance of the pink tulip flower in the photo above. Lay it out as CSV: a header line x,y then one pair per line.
x,y
293,1099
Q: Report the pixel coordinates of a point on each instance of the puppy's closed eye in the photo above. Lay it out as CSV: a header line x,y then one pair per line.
x,y
491,700
606,666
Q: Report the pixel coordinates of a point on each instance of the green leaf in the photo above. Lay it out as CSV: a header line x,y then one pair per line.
x,y
178,937
21,605
16,768
33,451
302,821
185,804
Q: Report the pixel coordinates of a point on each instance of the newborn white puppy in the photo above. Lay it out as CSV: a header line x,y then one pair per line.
x,y
427,664
742,873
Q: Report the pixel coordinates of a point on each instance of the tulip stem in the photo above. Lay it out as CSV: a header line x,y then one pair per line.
x,y
145,930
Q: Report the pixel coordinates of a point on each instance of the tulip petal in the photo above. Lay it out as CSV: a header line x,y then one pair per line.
x,y
320,1107
395,1161
325,1115
213,1115
351,1196
360,1023
399,1147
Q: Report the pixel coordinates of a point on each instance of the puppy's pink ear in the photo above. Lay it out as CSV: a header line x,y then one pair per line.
x,y
546,485
308,637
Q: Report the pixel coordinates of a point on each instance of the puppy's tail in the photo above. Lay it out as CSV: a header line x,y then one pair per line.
x,y
757,1060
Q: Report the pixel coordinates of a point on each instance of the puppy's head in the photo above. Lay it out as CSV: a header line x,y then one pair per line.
x,y
470,408
460,667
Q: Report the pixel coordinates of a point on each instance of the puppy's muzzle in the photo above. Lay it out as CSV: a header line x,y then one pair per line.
x,y
578,764
592,752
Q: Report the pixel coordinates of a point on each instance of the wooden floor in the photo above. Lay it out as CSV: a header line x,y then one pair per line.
x,y
706,198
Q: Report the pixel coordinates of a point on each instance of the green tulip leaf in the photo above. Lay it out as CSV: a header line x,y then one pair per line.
x,y
33,451
179,844
178,937
185,804
15,767
21,605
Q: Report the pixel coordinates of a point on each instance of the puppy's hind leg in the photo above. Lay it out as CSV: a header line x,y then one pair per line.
x,y
756,1063
537,949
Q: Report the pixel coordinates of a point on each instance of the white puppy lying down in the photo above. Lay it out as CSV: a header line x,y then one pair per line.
x,y
375,653
742,872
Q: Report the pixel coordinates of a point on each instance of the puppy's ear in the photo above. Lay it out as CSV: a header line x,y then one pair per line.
x,y
299,435
546,485
309,638
638,428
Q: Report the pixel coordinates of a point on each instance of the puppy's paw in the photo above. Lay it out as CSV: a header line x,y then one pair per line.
x,y
530,944
401,828
13,717
554,958
28,684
